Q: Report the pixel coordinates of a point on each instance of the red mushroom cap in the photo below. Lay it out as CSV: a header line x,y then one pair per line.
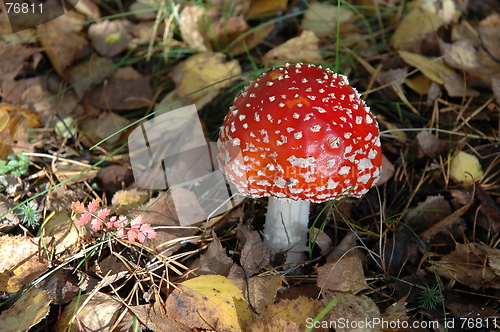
x,y
300,132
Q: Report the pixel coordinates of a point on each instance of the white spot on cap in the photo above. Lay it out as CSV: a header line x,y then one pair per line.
x,y
320,109
272,98
242,117
336,143
256,85
269,83
364,163
235,141
359,120
330,163
296,115
344,170
347,135
372,154
369,119
256,116
281,105
332,184
297,135
302,162
252,95
245,125
364,178
304,80
270,118
270,167
315,128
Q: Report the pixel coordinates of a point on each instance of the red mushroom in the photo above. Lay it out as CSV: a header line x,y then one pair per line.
x,y
299,134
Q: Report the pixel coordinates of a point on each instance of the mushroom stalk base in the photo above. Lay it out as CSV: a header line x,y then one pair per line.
x,y
286,228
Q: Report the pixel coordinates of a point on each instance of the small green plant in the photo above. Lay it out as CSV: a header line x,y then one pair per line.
x,y
15,165
430,297
29,214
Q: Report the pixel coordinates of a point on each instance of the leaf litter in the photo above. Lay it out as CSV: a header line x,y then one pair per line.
x,y
427,69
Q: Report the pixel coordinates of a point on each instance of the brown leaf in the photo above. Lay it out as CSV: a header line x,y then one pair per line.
x,y
304,48
321,18
295,311
213,261
161,211
467,265
126,89
27,311
23,260
255,254
104,126
84,74
345,275
61,286
93,312
190,24
11,219
60,198
260,291
259,7
489,30
13,59
110,37
359,308
62,44
114,178
429,144
14,134
428,213
154,317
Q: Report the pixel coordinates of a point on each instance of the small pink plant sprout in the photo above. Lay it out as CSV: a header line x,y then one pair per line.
x,y
136,230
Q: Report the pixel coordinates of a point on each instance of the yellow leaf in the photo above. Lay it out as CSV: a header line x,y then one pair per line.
x,y
413,28
465,165
29,310
209,302
4,118
429,66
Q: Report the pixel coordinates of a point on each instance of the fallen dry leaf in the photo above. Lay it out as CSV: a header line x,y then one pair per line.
x,y
209,302
413,28
28,310
63,46
155,317
322,18
14,134
125,200
467,264
84,74
255,254
59,198
295,311
104,126
66,233
161,211
110,37
125,89
249,41
260,291
200,71
304,48
23,261
260,7
345,275
190,23
213,261
429,66
428,213
358,308
90,312
61,286
465,168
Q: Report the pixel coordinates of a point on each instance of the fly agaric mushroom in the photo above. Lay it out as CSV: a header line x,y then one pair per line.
x,y
299,134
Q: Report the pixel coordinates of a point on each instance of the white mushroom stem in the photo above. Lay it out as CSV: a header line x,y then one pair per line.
x,y
286,228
